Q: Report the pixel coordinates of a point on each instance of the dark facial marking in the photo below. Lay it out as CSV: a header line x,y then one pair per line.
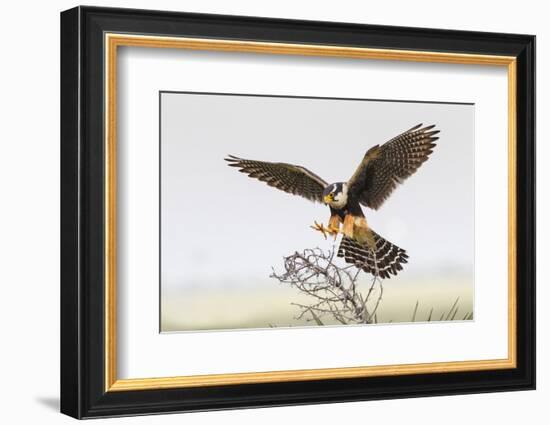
x,y
328,189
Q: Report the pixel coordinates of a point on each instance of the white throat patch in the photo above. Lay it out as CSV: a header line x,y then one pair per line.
x,y
340,199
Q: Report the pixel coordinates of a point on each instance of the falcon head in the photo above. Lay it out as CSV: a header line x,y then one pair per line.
x,y
336,195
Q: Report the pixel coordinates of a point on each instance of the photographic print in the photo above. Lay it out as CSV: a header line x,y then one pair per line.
x,y
280,212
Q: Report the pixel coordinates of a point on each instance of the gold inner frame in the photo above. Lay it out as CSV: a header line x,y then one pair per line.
x,y
113,41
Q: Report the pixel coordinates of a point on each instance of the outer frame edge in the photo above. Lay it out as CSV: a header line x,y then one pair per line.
x,y
104,406
70,349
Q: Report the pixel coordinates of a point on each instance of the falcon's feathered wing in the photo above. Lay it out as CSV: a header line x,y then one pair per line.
x,y
384,167
290,178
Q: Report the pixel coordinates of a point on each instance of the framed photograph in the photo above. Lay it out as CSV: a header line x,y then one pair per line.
x,y
261,212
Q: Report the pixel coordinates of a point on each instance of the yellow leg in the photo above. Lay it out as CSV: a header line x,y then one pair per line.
x,y
320,228
333,227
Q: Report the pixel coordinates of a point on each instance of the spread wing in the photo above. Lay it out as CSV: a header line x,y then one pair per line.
x,y
384,167
287,177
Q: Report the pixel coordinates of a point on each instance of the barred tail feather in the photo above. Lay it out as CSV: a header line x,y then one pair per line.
x,y
382,259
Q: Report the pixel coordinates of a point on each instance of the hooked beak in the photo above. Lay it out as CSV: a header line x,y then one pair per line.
x,y
328,198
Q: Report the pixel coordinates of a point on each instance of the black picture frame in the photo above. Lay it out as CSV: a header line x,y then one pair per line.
x,y
83,392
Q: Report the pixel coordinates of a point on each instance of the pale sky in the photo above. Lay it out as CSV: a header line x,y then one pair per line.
x,y
218,225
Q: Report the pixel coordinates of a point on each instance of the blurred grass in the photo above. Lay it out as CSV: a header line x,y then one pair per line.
x,y
267,305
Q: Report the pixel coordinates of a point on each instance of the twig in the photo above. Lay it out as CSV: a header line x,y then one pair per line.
x,y
333,288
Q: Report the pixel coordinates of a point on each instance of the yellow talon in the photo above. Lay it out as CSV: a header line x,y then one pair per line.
x,y
333,231
320,228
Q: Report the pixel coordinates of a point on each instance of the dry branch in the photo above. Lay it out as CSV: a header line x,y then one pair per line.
x,y
334,290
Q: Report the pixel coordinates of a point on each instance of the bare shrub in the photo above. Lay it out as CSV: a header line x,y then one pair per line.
x,y
335,290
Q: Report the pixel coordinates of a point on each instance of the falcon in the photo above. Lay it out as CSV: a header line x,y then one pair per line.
x,y
381,170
